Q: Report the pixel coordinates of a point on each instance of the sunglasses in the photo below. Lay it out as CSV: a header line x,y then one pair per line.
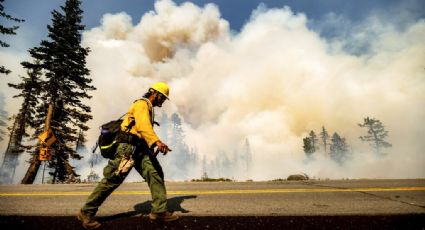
x,y
161,97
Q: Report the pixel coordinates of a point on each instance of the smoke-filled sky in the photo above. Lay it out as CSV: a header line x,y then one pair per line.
x,y
266,71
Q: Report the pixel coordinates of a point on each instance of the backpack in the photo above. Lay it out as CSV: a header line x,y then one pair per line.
x,y
109,135
107,140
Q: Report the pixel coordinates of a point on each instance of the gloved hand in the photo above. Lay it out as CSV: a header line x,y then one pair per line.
x,y
163,148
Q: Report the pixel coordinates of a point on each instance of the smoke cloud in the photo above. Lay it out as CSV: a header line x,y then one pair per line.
x,y
270,83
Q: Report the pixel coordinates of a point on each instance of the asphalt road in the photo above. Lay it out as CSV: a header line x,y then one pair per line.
x,y
344,204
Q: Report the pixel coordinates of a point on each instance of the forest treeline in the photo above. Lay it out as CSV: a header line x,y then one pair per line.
x,y
336,146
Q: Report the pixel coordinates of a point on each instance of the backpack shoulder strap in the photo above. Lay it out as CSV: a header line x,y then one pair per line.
x,y
121,116
151,109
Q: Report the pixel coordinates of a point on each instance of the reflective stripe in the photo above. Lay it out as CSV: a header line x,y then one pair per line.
x,y
108,146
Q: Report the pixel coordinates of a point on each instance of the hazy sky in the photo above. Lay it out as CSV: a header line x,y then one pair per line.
x,y
236,12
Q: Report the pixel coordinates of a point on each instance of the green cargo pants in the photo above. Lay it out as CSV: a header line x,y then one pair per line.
x,y
147,166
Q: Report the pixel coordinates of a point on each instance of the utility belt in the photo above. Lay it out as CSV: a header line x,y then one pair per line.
x,y
140,143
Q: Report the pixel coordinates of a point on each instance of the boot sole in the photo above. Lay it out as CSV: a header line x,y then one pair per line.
x,y
161,219
85,226
170,220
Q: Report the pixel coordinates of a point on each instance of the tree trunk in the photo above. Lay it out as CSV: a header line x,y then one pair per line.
x,y
9,161
35,162
32,171
8,168
56,171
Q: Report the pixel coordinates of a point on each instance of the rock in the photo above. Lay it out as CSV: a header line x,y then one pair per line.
x,y
298,177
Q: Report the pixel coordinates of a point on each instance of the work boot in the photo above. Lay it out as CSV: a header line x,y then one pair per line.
x,y
87,221
164,216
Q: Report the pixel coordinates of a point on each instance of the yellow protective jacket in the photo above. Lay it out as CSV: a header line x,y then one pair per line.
x,y
141,111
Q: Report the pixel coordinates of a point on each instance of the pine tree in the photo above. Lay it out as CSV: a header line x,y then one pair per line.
x,y
225,165
324,136
177,130
30,87
93,177
338,148
94,159
376,134
314,140
247,157
81,141
3,117
183,159
8,31
164,125
204,165
66,85
180,156
310,144
7,170
35,150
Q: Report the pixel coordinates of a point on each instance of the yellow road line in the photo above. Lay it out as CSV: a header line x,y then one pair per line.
x,y
208,192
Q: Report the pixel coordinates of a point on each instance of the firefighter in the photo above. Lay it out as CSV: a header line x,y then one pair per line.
x,y
135,150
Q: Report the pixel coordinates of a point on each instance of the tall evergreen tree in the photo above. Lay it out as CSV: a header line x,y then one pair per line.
x,y
177,136
338,148
181,162
80,146
376,134
225,165
204,165
164,126
3,117
181,156
314,140
30,87
324,136
308,146
5,175
247,157
66,85
7,31
310,143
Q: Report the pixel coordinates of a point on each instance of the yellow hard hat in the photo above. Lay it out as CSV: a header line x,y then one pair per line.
x,y
162,88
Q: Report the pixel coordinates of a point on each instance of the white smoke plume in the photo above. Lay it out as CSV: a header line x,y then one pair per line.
x,y
271,83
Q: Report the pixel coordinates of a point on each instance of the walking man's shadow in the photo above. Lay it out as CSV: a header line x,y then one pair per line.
x,y
173,205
